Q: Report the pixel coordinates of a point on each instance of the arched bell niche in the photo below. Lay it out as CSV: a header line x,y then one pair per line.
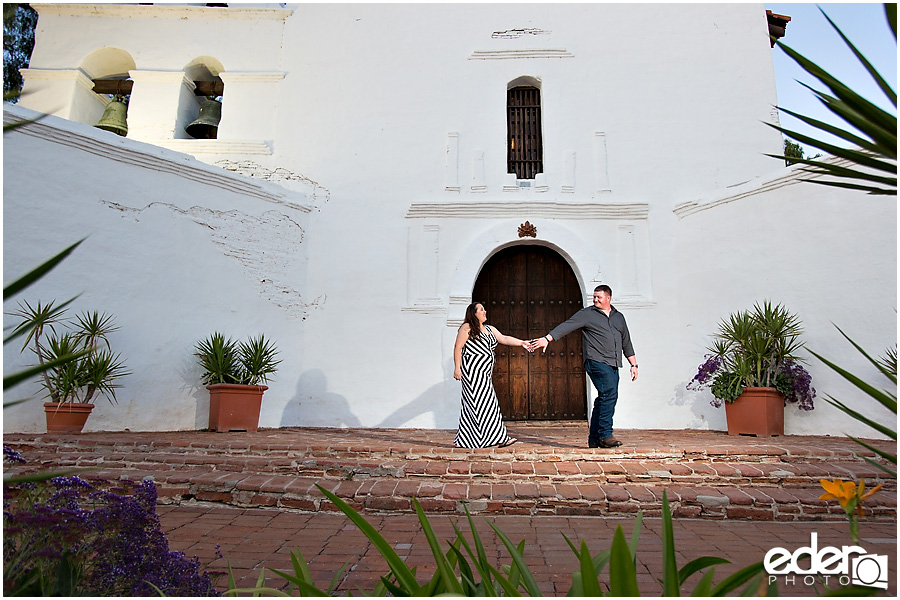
x,y
105,63
204,72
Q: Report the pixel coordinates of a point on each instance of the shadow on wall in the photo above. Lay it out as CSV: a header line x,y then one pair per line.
x,y
313,406
190,374
706,416
432,401
201,417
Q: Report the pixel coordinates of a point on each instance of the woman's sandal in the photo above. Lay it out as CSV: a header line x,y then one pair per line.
x,y
508,442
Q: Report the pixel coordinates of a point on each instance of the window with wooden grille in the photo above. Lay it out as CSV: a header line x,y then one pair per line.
x,y
525,152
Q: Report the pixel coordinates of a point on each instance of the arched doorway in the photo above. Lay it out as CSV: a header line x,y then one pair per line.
x,y
528,290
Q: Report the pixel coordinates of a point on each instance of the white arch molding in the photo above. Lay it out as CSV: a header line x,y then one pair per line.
x,y
569,245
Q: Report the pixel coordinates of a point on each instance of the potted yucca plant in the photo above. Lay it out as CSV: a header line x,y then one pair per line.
x,y
76,364
235,374
753,368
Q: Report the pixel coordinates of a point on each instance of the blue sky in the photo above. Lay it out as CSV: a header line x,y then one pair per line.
x,y
811,35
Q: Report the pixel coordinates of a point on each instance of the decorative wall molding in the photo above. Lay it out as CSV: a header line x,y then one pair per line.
x,y
635,302
162,11
426,309
240,77
76,75
626,257
517,54
600,162
147,156
423,248
478,185
530,210
760,185
568,182
231,147
451,162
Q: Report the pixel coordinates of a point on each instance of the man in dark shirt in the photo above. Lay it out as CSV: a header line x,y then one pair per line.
x,y
606,339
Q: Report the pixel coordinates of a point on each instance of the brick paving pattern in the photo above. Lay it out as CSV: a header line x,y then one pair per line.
x,y
250,539
255,494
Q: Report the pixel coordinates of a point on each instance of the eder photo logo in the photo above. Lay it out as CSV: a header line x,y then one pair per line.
x,y
850,564
870,570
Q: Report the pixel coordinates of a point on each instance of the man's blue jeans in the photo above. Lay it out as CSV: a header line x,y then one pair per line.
x,y
606,379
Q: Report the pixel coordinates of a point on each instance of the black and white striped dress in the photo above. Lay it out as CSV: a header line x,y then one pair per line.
x,y
480,422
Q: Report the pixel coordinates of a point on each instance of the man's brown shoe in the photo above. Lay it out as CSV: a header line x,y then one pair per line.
x,y
609,442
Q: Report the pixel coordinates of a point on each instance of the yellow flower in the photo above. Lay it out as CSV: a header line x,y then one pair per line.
x,y
840,490
847,493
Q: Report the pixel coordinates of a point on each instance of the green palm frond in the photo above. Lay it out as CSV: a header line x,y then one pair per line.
x,y
875,151
887,366
218,357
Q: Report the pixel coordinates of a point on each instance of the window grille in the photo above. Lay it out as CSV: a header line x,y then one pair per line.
x,y
525,153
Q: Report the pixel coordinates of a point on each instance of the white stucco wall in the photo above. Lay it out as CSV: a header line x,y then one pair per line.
x,y
175,250
387,122
829,255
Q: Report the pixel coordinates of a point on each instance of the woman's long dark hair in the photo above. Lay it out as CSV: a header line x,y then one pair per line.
x,y
472,320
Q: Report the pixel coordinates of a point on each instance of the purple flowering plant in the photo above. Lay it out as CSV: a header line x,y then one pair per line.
x,y
72,536
756,348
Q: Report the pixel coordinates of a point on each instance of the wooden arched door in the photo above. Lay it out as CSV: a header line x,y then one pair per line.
x,y
527,290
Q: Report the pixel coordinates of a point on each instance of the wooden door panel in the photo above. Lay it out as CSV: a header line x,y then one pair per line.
x,y
541,400
527,291
518,400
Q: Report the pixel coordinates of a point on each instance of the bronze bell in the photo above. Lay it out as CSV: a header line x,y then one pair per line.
x,y
207,123
114,115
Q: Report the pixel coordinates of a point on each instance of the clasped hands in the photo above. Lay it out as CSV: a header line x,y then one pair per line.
x,y
532,345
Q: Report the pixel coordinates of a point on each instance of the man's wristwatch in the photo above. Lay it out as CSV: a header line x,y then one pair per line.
x,y
634,365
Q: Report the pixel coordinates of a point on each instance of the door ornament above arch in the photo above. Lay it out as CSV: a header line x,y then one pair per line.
x,y
526,229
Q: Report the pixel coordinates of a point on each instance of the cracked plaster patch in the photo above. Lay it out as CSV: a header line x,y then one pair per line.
x,y
264,245
289,179
510,34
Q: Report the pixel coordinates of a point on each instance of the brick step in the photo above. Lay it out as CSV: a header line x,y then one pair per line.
x,y
603,466
706,474
499,496
621,471
322,443
742,450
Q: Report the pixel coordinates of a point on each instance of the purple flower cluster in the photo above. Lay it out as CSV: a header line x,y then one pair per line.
x,y
792,380
111,534
12,455
796,385
706,372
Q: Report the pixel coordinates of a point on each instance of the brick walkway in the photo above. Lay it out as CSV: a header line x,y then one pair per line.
x,y
250,539
254,494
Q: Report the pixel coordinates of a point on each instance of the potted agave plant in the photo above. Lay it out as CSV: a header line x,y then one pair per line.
x,y
76,363
235,374
753,368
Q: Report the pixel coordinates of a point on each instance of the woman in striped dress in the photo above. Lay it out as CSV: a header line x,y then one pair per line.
x,y
480,422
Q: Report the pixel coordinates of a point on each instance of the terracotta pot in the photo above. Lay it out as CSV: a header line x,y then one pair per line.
x,y
66,417
758,411
234,407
